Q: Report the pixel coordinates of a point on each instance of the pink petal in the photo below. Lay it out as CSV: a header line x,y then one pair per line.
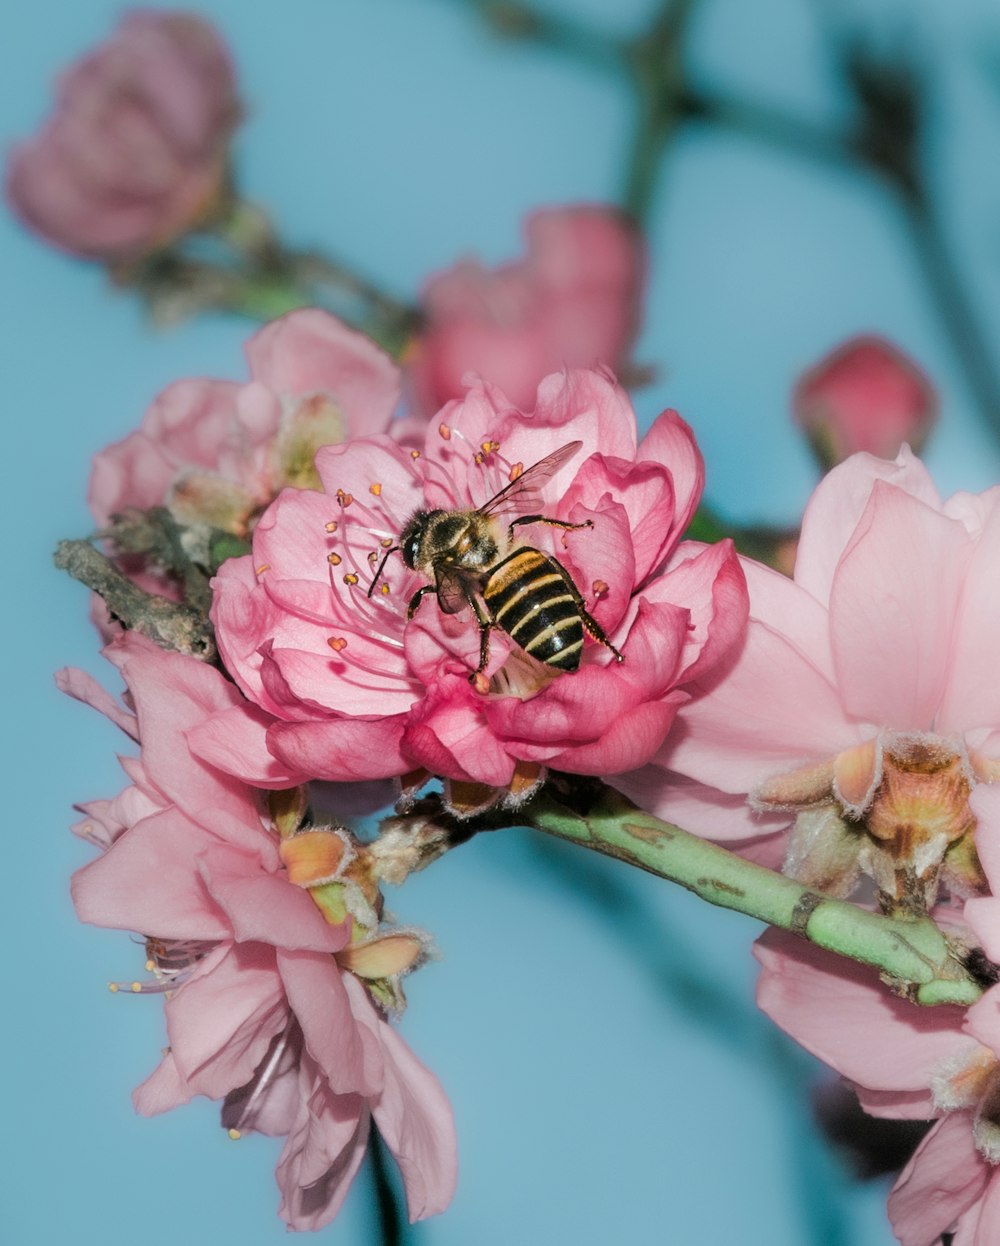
x,y
703,810
344,1050
265,907
343,749
670,441
448,734
970,700
236,741
164,1089
222,1020
309,351
148,882
773,711
944,1178
892,609
826,1002
837,505
414,1117
83,687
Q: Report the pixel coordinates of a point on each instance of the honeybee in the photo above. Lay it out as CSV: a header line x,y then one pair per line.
x,y
476,562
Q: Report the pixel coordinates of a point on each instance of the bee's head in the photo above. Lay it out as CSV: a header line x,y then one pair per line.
x,y
411,539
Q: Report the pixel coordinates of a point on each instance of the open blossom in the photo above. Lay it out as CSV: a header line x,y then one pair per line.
x,y
864,692
911,1062
135,153
217,452
262,1008
864,396
573,301
347,687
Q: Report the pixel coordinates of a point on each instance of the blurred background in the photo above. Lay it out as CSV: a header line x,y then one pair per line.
x,y
594,1028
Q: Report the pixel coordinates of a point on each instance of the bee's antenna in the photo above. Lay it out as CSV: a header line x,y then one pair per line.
x,y
378,573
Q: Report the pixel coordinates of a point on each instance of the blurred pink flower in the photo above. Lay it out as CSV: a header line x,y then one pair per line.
x,y
135,153
865,395
255,996
877,651
219,451
904,1061
351,689
573,301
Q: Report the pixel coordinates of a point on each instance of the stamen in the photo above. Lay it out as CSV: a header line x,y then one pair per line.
x,y
331,526
235,1134
334,560
376,488
414,454
337,643
515,471
444,432
264,566
351,579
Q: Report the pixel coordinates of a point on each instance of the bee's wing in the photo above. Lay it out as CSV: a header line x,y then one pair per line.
x,y
451,593
523,496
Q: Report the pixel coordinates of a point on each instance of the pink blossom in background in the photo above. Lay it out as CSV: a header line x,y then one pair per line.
x,y
135,153
219,451
882,646
573,301
259,1012
864,396
348,689
908,1062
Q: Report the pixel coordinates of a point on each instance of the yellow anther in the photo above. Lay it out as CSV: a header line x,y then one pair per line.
x,y
345,499
489,446
414,454
384,590
351,579
334,560
331,526
386,542
373,557
444,432
235,1134
87,828
337,643
515,471
150,966
264,566
136,988
376,488
113,988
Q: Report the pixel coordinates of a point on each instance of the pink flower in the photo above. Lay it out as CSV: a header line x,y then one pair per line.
x,y
865,395
868,671
218,451
347,687
259,1012
574,301
136,151
907,1062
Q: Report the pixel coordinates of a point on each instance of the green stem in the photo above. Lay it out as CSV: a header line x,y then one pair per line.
x,y
913,953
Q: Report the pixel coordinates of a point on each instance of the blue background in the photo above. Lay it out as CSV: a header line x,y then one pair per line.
x,y
594,1029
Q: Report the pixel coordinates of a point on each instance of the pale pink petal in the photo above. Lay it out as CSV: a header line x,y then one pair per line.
x,y
988,1228
148,882
321,1158
222,1019
164,1089
825,1002
309,351
264,907
773,711
83,687
944,1178
969,700
414,1117
318,997
836,508
892,609
236,741
703,810
448,735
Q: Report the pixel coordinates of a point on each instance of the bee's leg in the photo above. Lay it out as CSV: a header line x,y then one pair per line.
x,y
591,626
417,598
552,523
486,625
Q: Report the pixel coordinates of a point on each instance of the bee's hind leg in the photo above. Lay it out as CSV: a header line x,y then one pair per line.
x,y
486,625
552,523
417,598
590,625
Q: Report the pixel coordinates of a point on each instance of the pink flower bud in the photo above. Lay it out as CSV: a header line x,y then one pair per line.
x,y
573,301
865,395
135,153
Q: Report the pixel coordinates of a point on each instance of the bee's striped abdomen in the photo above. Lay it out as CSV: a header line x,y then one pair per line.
x,y
529,599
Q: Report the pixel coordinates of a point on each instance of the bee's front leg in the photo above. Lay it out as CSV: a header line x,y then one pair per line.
x,y
416,599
